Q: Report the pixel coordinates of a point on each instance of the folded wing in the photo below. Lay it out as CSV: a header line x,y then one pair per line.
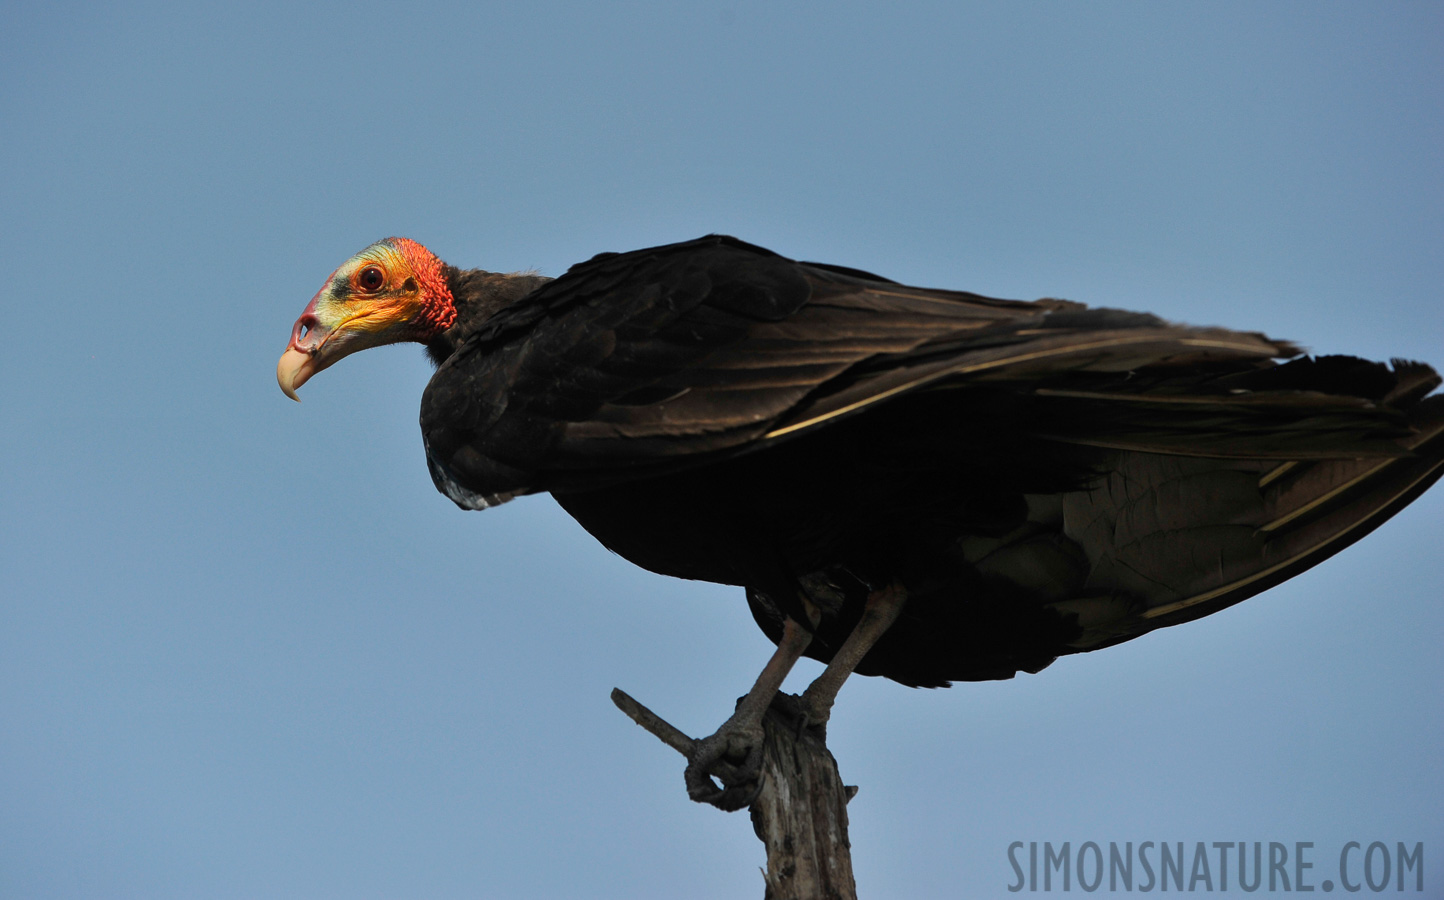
x,y
635,364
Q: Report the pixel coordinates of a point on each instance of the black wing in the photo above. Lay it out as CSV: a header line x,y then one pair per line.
x,y
635,364
1199,471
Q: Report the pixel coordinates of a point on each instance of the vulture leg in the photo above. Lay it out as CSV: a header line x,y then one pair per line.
x,y
883,606
734,752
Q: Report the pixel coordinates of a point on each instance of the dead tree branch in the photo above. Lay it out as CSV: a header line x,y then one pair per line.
x,y
800,811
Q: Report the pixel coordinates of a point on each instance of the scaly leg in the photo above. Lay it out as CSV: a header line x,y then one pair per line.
x,y
883,606
734,752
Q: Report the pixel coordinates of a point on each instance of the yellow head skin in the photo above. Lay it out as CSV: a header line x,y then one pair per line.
x,y
394,290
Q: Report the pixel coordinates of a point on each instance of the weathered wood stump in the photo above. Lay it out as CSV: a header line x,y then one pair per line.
x,y
800,811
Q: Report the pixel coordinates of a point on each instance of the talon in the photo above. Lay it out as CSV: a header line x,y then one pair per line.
x,y
733,757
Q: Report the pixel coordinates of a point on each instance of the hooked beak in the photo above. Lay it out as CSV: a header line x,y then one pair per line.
x,y
303,357
293,370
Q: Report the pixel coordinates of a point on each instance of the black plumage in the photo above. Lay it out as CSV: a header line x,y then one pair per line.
x,y
1042,478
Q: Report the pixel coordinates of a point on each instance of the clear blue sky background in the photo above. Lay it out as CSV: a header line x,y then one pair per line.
x,y
246,650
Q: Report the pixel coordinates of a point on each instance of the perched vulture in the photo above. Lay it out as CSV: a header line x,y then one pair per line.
x,y
927,485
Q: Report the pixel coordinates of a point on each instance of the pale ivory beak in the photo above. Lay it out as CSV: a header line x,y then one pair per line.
x,y
293,371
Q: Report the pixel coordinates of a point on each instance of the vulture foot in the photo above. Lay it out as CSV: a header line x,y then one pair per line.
x,y
733,756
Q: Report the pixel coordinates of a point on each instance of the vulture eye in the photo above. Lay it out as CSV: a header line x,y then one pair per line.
x,y
370,279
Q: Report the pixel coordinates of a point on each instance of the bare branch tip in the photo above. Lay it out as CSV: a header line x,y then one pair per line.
x,y
660,728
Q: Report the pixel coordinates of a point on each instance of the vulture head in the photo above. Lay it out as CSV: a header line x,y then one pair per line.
x,y
395,290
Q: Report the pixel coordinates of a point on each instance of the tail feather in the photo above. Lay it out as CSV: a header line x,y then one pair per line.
x,y
1170,538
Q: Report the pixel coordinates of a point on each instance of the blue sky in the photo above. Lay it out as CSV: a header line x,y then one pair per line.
x,y
246,650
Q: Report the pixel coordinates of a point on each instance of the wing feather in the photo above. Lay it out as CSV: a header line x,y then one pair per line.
x,y
635,364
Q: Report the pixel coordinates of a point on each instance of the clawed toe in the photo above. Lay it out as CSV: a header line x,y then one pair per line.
x,y
732,756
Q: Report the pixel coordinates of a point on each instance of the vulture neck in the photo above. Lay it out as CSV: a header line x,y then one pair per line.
x,y
478,296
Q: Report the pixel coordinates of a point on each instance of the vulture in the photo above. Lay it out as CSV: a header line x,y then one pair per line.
x,y
927,485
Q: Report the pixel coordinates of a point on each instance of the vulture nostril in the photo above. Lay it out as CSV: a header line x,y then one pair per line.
x,y
304,326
